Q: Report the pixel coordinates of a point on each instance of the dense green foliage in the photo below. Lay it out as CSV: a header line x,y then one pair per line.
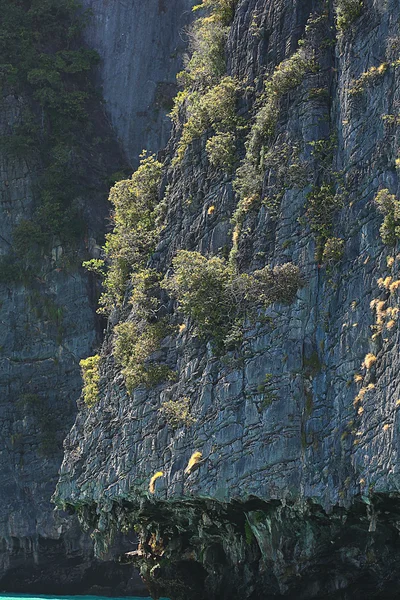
x,y
207,64
177,412
347,11
43,61
134,344
221,150
216,109
126,253
135,233
333,250
208,100
140,337
322,203
223,10
127,250
218,299
389,206
91,378
201,286
207,44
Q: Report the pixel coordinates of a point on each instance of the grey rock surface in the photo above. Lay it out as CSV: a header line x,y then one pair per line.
x,y
48,327
305,439
141,45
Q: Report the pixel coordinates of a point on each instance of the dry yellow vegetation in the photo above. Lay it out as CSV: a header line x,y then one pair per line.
x,y
152,484
369,360
193,461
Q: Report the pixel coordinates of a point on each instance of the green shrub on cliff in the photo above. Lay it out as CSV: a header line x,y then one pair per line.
x,y
333,250
91,378
217,298
222,10
177,412
207,63
95,265
201,287
208,99
137,339
214,109
370,77
287,75
249,176
207,39
322,203
134,344
347,11
221,151
389,206
135,233
127,250
49,68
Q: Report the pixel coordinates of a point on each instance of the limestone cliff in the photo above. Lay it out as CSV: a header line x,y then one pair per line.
x,y
295,492
48,306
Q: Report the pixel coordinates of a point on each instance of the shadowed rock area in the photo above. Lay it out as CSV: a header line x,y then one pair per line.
x,y
141,46
48,314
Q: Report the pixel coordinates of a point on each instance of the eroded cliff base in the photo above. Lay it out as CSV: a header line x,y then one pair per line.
x,y
204,550
67,566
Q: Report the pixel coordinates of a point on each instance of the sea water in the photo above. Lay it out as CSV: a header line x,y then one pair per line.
x,y
39,597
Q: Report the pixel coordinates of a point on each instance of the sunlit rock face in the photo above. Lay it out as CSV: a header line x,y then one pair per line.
x,y
296,493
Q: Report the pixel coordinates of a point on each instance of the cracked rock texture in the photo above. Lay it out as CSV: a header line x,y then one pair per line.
x,y
297,495
49,325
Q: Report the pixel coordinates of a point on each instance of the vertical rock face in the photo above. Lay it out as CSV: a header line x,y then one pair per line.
x,y
141,46
48,325
296,494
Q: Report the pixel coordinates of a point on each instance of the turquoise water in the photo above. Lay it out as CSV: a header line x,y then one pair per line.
x,y
38,597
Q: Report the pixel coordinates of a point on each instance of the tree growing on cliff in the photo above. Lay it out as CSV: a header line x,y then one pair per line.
x,y
347,11
222,10
91,378
135,233
218,299
389,206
